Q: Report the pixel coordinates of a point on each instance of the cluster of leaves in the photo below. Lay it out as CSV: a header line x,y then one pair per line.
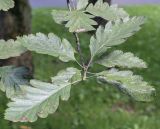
x,y
31,99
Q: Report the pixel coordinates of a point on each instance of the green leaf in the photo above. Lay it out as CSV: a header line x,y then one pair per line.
x,y
132,85
60,16
81,4
80,22
11,48
76,21
6,4
50,45
114,34
120,59
43,98
102,9
11,80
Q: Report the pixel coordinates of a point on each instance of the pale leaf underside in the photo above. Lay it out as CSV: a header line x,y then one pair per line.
x,y
11,80
81,4
6,4
103,10
11,48
76,21
114,34
50,45
43,98
132,85
120,59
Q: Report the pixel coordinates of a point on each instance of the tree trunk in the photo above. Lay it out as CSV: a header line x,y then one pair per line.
x,y
16,22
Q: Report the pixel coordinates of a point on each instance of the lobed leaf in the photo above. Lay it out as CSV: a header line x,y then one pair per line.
x,y
120,59
76,21
6,4
50,45
43,98
103,10
11,79
11,48
132,85
60,16
81,4
114,34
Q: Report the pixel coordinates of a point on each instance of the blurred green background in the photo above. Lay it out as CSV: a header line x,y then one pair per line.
x,y
95,106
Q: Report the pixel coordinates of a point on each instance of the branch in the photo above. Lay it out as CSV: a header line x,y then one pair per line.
x,y
86,69
79,49
69,2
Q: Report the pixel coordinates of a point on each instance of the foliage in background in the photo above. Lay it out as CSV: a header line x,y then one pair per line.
x,y
98,46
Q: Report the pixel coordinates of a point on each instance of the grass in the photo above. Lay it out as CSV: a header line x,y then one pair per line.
x,y
94,106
